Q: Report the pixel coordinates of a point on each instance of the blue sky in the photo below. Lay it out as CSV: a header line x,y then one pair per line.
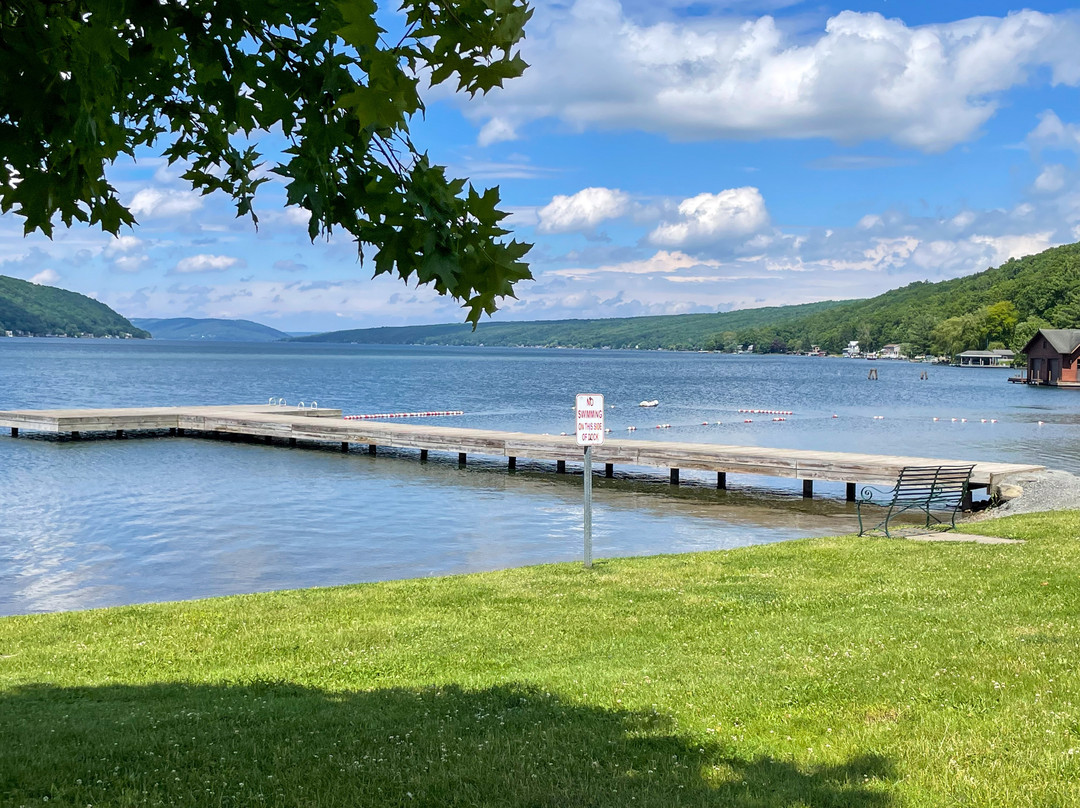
x,y
669,157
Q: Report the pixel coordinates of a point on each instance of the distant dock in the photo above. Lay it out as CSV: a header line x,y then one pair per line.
x,y
291,425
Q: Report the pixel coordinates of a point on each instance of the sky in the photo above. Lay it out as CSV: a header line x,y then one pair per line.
x,y
667,157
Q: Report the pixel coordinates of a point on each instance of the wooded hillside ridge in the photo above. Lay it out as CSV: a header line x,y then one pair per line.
x,y
1000,307
31,310
669,331
209,329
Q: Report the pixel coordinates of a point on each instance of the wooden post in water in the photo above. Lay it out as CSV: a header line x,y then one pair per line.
x,y
344,446
462,458
721,480
673,476
560,467
511,462
423,455
372,448
609,470
851,492
808,489
14,432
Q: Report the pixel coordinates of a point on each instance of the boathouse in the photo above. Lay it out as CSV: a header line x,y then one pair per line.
x,y
1001,358
1052,356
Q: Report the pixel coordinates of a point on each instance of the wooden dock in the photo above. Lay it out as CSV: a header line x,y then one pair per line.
x,y
294,424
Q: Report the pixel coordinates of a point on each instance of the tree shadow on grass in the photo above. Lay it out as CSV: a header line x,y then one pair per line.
x,y
278,744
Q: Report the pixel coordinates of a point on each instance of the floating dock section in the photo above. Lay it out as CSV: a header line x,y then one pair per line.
x,y
294,424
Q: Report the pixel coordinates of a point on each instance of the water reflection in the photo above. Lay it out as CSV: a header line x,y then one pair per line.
x,y
178,518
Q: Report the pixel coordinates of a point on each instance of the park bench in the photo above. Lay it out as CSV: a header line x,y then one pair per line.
x,y
919,488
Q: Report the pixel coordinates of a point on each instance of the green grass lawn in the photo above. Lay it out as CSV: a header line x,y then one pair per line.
x,y
827,672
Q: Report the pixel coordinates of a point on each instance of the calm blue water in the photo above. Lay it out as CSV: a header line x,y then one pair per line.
x,y
102,522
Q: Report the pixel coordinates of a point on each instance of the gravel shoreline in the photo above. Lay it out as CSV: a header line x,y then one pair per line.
x,y
1048,490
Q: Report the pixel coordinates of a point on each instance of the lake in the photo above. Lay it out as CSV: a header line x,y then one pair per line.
x,y
94,523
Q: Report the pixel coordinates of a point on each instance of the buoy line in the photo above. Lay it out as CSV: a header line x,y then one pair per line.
x,y
431,414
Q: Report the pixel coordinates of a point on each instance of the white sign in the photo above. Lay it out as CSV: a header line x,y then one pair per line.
x,y
589,414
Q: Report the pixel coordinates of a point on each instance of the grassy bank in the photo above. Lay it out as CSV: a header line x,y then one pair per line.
x,y
827,672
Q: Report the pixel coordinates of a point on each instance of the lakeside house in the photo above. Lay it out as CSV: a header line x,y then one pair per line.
x,y
1052,357
852,349
891,351
1001,358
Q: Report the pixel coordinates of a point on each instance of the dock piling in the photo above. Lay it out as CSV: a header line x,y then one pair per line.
x,y
609,470
851,492
423,455
808,489
372,449
560,467
462,458
14,432
344,446
511,463
673,476
721,480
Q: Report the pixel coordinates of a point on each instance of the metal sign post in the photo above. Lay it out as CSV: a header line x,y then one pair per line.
x,y
589,415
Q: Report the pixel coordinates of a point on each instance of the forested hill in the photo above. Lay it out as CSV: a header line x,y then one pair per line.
x,y
1003,306
1000,307
27,309
210,329
674,331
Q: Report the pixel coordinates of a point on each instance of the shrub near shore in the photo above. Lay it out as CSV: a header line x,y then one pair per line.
x,y
844,671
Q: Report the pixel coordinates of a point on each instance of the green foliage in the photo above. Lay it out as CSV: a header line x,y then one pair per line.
x,y
86,81
39,310
955,315
1026,330
835,672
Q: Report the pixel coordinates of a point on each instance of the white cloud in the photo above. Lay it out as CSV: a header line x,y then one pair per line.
x,y
864,78
206,263
496,131
1051,179
46,277
135,262
1054,133
153,203
661,263
123,244
708,218
582,211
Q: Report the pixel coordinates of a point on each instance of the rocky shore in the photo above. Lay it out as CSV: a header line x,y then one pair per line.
x,y
1048,490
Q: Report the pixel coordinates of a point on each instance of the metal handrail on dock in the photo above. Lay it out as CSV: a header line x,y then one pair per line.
x,y
292,424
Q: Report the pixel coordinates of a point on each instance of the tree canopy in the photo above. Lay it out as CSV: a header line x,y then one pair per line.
x,y
88,81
